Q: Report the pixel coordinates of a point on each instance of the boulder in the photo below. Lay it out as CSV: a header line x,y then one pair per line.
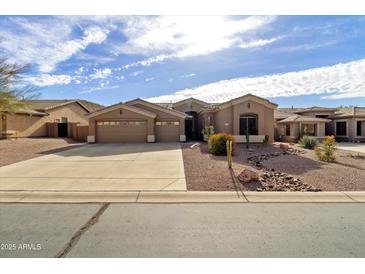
x,y
284,146
248,175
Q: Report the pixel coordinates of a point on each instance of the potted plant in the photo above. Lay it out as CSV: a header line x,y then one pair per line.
x,y
207,131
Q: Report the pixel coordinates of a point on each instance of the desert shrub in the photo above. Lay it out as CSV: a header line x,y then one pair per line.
x,y
217,143
308,142
327,152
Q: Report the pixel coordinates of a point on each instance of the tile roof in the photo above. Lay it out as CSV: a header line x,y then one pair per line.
x,y
301,118
279,114
44,105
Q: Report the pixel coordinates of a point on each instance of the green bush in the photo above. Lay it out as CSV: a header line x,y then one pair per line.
x,y
217,143
308,142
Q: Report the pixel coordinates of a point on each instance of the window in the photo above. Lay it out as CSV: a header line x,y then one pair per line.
x,y
63,119
358,128
248,125
100,123
341,128
166,123
287,130
309,129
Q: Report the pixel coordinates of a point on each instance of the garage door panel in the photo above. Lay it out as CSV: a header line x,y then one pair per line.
x,y
121,131
167,131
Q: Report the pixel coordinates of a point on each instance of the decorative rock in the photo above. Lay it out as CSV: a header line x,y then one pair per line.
x,y
248,175
284,146
272,180
195,145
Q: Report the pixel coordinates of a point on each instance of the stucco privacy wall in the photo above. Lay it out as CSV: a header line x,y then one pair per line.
x,y
35,126
164,116
117,114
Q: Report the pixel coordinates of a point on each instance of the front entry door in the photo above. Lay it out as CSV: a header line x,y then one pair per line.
x,y
62,130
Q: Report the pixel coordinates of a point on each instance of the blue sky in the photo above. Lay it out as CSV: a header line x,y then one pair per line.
x,y
292,60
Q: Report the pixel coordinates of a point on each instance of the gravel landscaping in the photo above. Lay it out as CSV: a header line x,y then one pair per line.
x,y
16,150
295,169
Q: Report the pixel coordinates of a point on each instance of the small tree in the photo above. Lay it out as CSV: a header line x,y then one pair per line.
x,y
11,97
327,152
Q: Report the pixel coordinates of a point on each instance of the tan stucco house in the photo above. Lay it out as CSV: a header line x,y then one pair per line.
x,y
32,122
345,123
142,121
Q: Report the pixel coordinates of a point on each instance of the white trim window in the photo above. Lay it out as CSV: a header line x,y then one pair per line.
x,y
248,124
167,123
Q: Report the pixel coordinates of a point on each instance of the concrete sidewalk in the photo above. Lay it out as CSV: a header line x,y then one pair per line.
x,y
180,197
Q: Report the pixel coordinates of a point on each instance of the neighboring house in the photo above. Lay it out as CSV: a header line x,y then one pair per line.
x,y
346,124
32,122
142,121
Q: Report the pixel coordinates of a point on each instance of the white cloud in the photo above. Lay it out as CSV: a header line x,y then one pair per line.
x,y
46,42
120,77
93,89
148,62
258,42
149,79
101,73
80,70
308,46
136,73
166,37
188,75
332,82
49,80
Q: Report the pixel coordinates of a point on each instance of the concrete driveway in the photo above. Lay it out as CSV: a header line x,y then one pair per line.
x,y
100,167
352,147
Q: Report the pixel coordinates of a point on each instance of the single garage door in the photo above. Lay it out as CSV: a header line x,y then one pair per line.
x,y
167,131
121,131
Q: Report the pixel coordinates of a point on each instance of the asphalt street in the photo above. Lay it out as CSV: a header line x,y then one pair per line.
x,y
183,230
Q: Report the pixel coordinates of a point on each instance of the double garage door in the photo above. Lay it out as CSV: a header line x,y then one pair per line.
x,y
121,132
135,131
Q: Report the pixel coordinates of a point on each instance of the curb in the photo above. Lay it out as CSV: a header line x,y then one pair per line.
x,y
181,197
